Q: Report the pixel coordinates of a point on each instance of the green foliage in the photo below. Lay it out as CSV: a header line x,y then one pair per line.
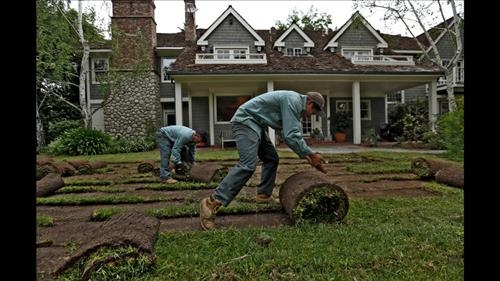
x,y
80,141
434,140
310,20
56,128
130,144
451,128
372,137
58,57
341,120
409,121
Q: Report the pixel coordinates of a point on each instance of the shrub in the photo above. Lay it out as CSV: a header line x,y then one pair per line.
x,y
341,120
451,128
57,128
409,121
80,141
131,144
372,137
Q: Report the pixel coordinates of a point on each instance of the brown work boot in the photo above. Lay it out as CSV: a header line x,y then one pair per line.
x,y
208,209
169,180
262,198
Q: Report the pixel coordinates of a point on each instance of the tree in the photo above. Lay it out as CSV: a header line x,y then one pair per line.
x,y
421,15
310,20
57,59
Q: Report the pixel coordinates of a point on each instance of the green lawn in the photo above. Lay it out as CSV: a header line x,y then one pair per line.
x,y
419,238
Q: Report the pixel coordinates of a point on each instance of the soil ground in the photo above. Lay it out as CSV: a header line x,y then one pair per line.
x,y
72,224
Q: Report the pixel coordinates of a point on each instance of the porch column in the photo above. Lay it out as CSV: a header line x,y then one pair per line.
x,y
211,118
178,103
270,131
356,113
433,105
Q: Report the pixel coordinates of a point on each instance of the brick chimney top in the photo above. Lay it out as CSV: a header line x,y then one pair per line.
x,y
189,24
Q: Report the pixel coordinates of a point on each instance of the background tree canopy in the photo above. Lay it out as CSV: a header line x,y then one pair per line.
x,y
58,57
310,20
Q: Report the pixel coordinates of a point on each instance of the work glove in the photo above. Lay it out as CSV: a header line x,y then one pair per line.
x,y
316,160
180,169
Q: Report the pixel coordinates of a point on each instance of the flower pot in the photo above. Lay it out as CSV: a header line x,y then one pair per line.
x,y
339,136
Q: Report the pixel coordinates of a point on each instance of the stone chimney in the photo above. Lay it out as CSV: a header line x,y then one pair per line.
x,y
189,24
136,107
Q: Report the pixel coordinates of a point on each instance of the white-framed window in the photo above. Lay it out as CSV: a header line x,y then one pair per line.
x,y
165,66
365,108
100,67
231,53
306,126
363,53
294,52
396,97
226,106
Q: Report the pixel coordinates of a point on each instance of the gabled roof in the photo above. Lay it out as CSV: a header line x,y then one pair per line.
x,y
437,32
319,62
356,16
401,44
281,43
230,11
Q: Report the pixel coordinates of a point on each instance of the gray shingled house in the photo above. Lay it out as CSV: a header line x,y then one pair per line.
x,y
199,76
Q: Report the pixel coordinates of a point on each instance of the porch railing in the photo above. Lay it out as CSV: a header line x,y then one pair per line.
x,y
458,77
382,60
230,58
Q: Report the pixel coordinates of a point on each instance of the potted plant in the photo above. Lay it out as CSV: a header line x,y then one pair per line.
x,y
341,121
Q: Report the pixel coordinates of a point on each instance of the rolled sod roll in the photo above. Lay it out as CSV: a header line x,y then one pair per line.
x,y
311,197
452,176
207,172
427,168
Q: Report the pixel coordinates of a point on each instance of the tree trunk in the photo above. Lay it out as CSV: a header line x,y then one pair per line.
x,y
84,104
40,136
452,104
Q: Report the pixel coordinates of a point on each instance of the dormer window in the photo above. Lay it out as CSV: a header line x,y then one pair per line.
x,y
294,52
231,53
360,53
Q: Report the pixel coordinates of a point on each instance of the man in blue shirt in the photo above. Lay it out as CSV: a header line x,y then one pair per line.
x,y
280,110
180,143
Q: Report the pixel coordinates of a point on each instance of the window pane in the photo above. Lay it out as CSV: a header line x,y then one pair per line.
x,y
227,105
165,64
306,126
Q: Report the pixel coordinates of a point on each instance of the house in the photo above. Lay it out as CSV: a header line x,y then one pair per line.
x,y
199,76
446,46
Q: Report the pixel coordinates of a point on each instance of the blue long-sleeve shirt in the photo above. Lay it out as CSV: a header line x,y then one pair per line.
x,y
280,110
180,136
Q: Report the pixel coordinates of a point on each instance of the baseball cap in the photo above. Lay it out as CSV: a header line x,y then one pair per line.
x,y
318,99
